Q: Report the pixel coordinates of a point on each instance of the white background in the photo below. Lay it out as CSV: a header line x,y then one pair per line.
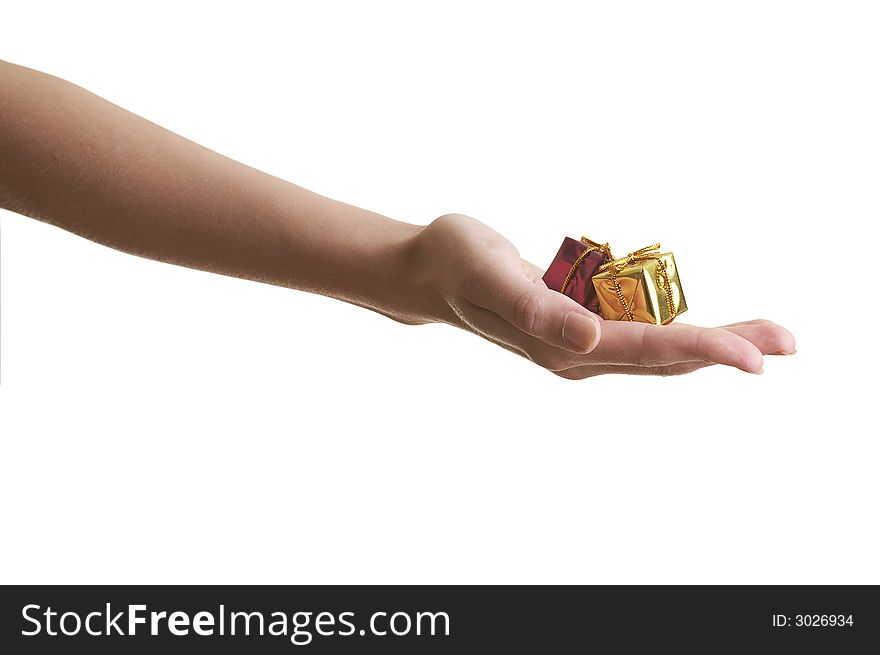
x,y
165,425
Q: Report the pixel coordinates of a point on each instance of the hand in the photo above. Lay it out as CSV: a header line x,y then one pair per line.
x,y
484,286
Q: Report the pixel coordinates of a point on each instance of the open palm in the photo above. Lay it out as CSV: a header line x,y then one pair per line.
x,y
494,293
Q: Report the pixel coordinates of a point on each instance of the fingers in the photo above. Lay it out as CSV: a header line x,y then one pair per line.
x,y
562,362
769,338
537,311
642,344
583,372
640,348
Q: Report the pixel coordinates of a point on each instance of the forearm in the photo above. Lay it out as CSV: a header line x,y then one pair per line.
x,y
72,159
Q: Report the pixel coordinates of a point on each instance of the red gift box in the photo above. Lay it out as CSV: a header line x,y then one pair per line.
x,y
572,270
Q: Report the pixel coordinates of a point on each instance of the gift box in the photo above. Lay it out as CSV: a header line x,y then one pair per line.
x,y
573,267
643,286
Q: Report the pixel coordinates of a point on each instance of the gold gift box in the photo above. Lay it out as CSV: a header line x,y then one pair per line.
x,y
643,287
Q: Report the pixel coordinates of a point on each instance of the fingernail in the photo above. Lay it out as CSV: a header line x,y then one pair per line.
x,y
761,372
580,331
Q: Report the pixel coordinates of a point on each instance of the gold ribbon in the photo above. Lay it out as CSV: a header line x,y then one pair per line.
x,y
593,247
641,255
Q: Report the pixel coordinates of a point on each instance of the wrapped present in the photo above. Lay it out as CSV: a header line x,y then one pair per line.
x,y
643,286
574,266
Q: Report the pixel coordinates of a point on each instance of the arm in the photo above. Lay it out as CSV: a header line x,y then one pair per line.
x,y
72,159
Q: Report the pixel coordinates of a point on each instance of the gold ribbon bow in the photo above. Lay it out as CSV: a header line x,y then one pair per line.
x,y
593,246
641,255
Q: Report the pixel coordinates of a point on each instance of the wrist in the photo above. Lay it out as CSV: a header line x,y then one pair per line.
x,y
420,298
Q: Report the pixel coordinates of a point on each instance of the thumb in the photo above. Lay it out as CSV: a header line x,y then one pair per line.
x,y
550,316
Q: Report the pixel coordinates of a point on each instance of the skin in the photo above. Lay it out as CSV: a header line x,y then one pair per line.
x,y
72,159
